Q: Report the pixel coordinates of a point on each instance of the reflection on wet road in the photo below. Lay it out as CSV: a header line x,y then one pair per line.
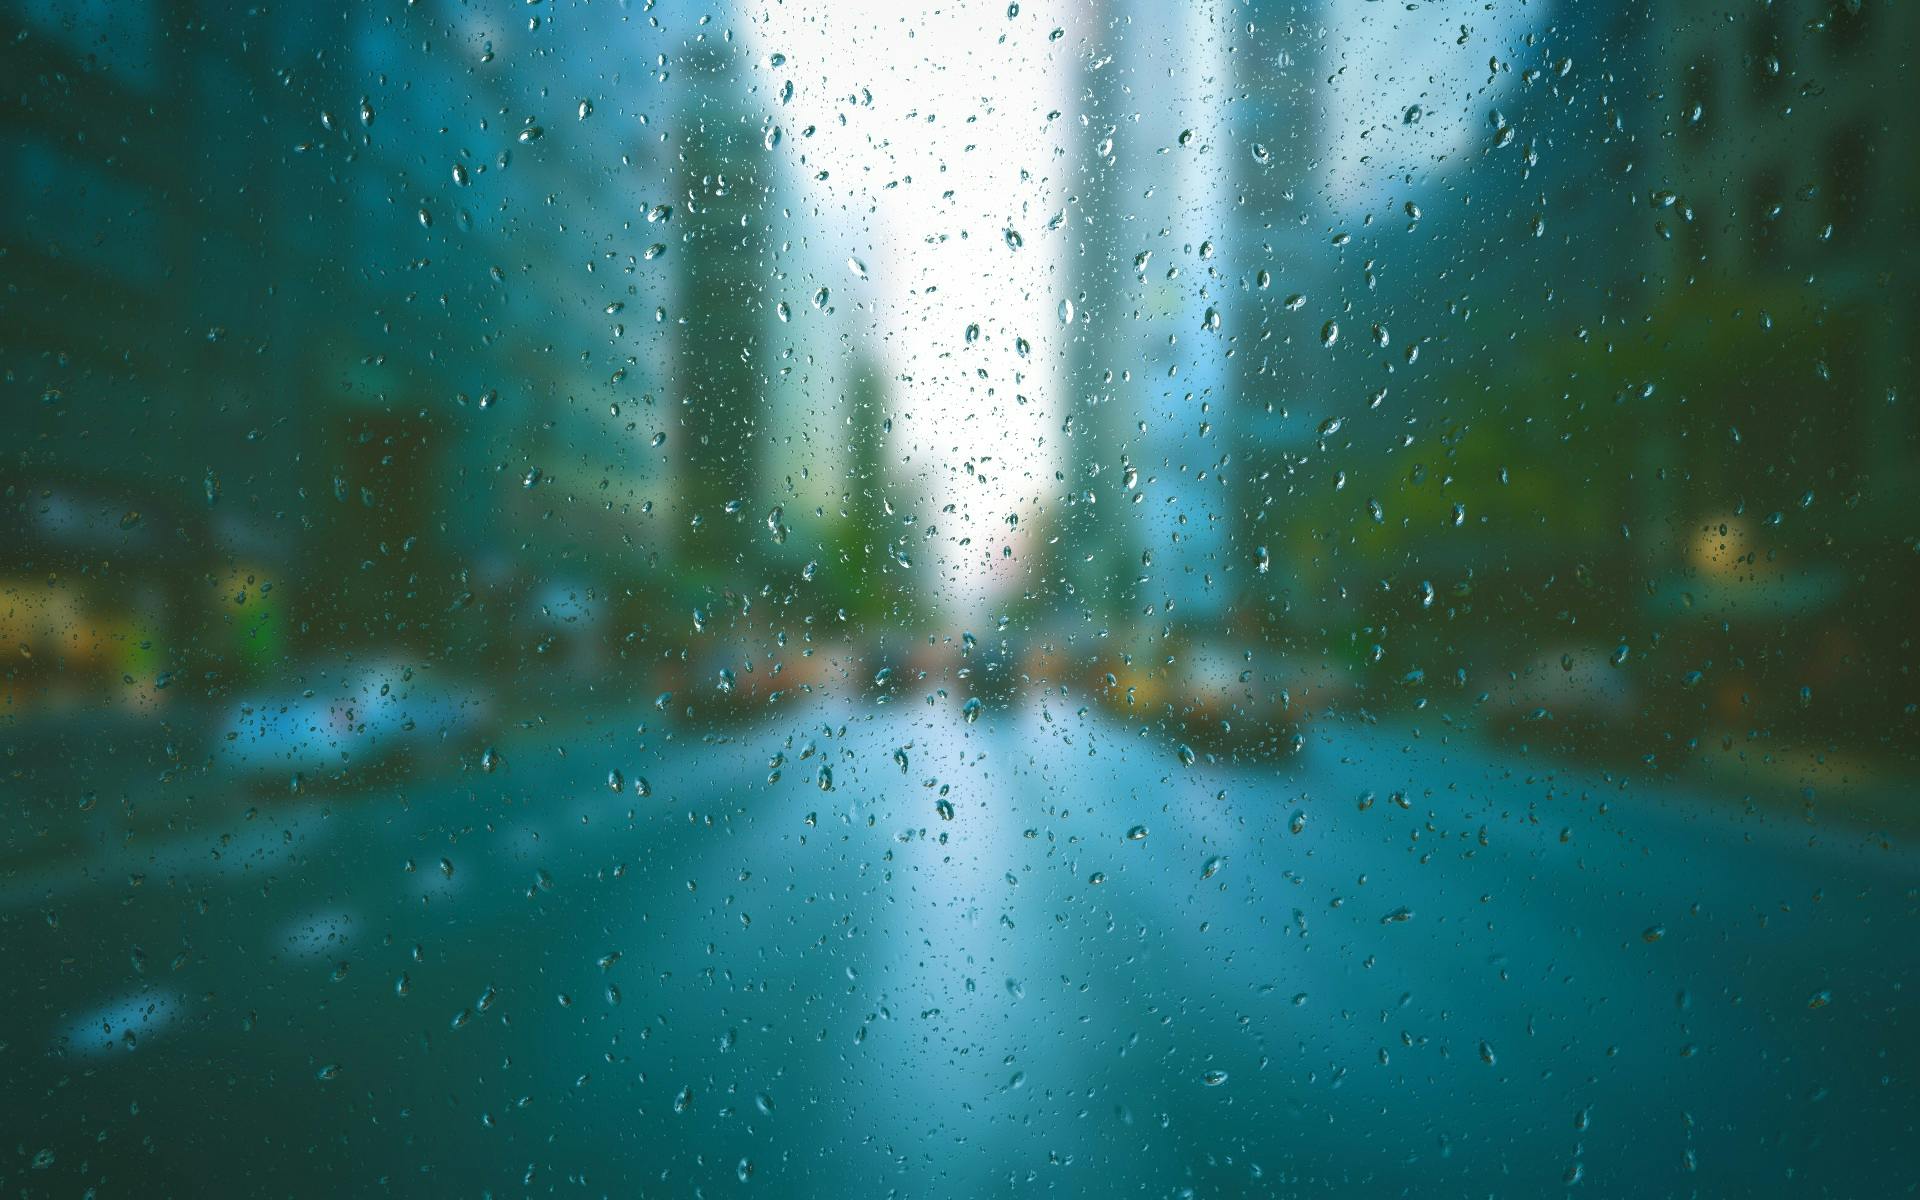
x,y
1389,965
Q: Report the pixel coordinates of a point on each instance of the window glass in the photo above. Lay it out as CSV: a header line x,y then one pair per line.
x,y
1073,597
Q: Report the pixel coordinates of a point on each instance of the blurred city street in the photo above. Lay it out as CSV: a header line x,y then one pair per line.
x,y
1392,965
1274,598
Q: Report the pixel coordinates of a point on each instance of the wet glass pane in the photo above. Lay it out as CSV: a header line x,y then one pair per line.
x,y
1081,598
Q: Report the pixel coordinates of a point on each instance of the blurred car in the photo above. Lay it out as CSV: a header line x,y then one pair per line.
x,y
348,718
1213,693
82,639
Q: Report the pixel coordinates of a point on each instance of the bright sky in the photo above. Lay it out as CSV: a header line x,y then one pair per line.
x,y
936,147
1411,89
922,185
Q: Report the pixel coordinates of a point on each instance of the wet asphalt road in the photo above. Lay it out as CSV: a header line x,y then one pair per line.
x,y
1498,976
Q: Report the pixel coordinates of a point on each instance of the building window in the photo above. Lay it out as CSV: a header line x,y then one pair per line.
x,y
1845,176
1766,209
1697,97
1848,24
1766,53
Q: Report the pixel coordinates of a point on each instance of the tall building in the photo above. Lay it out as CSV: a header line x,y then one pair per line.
x,y
338,312
1785,168
1164,296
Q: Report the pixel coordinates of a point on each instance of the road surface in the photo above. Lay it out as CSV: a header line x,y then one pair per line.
x,y
1386,966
